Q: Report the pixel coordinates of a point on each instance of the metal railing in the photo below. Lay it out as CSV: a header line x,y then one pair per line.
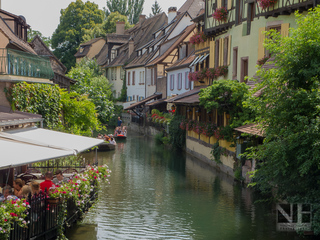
x,y
18,63
43,216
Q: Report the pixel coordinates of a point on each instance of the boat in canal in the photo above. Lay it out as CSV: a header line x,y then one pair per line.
x,y
106,146
120,133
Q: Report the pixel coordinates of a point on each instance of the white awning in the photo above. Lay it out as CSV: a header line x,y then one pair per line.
x,y
193,62
53,139
203,58
14,154
24,146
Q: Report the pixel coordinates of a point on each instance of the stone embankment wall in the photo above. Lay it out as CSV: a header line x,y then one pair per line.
x,y
200,147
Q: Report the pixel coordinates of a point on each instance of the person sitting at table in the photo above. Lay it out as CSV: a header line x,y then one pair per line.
x,y
8,193
47,185
35,189
17,185
26,189
59,179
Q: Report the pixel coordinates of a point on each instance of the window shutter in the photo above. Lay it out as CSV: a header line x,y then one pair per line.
x,y
219,3
221,51
229,50
229,4
285,29
212,48
260,43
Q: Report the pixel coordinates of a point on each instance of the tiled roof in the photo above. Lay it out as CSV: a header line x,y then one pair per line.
x,y
141,34
182,63
83,51
90,42
102,56
156,102
14,39
117,38
36,40
178,40
144,101
186,94
192,7
252,129
9,117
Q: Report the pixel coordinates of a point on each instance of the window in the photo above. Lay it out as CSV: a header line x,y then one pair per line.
x,y
129,75
239,11
155,76
151,83
172,82
133,77
141,80
216,60
179,83
220,120
225,51
250,18
244,68
122,73
134,97
186,81
235,63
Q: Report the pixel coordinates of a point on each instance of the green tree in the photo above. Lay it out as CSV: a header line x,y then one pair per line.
x,y
288,112
32,33
155,8
79,114
74,20
92,83
130,8
227,96
108,26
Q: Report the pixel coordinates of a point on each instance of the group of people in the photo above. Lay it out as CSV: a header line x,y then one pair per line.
x,y
22,190
120,131
107,138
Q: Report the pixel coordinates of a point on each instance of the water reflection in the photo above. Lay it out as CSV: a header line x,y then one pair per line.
x,y
157,193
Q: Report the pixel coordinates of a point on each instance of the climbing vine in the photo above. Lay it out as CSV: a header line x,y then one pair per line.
x,y
43,99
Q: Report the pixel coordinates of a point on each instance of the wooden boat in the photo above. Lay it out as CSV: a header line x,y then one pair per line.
x,y
106,146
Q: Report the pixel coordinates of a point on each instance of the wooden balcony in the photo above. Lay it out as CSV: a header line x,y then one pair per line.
x,y
18,63
285,7
202,46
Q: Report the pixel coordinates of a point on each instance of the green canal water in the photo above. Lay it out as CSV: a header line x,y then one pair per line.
x,y
157,193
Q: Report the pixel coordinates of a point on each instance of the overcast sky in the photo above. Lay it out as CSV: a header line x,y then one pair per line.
x,y
44,15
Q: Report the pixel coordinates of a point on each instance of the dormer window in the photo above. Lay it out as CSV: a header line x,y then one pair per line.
x,y
81,49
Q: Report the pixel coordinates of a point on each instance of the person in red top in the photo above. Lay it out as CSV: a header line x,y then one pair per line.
x,y
47,184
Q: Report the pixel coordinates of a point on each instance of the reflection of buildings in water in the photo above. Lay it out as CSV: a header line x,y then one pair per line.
x,y
220,187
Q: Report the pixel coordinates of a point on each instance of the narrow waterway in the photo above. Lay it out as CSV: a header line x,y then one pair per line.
x,y
156,193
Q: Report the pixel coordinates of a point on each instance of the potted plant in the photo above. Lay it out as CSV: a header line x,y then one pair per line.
x,y
264,4
220,14
198,38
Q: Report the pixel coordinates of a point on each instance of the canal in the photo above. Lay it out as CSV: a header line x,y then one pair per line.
x,y
158,193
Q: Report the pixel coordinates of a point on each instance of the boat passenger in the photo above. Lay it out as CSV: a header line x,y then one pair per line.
x,y
59,179
47,185
17,185
112,141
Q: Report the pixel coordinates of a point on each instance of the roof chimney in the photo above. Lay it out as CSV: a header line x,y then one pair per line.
x,y
119,27
131,46
172,13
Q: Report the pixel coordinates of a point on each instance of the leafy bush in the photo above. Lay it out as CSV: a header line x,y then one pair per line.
x,y
37,98
177,135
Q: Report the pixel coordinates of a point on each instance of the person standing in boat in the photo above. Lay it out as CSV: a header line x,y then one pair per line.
x,y
119,122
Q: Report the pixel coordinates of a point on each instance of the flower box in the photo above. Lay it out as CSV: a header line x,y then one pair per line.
x,y
53,201
264,4
220,14
198,38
